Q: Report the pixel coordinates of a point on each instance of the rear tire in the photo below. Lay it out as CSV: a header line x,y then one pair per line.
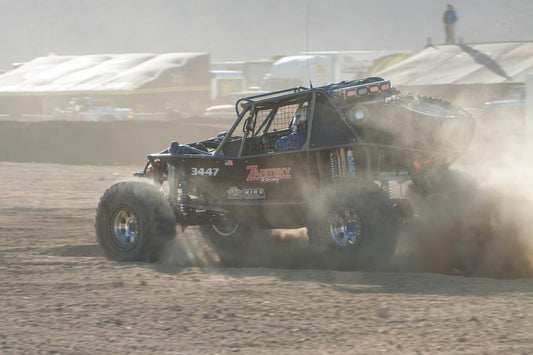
x,y
134,221
356,218
227,235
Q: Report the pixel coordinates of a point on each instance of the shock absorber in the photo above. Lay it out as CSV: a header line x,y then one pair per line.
x,y
334,166
184,197
386,186
343,170
351,163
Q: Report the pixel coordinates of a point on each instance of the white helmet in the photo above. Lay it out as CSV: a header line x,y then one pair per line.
x,y
299,119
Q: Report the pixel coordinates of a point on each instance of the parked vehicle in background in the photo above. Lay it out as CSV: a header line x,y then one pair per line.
x,y
228,78
321,68
93,109
220,111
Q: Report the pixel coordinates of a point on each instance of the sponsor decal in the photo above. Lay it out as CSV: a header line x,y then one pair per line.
x,y
204,171
268,175
254,194
234,193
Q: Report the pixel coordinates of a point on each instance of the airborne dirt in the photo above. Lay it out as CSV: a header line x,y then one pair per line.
x,y
60,295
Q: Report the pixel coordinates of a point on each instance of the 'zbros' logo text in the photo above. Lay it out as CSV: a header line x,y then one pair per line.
x,y
268,175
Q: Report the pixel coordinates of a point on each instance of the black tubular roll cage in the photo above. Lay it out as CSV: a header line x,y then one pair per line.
x,y
332,92
250,103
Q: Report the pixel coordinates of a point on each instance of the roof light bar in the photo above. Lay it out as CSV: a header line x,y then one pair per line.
x,y
362,91
366,89
351,93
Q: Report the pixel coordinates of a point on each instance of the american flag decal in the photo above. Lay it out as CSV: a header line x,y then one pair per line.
x,y
228,162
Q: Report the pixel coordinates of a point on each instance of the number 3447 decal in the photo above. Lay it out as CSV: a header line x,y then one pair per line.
x,y
204,171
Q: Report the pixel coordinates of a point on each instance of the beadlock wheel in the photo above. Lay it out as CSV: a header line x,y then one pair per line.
x,y
356,219
225,230
346,227
124,226
134,222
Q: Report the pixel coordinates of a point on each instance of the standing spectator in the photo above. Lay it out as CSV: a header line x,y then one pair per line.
x,y
450,18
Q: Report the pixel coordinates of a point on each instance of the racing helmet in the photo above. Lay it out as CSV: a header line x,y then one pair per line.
x,y
299,119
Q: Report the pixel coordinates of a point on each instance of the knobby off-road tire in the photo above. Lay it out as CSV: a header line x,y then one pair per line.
x,y
232,243
134,221
356,219
227,236
427,122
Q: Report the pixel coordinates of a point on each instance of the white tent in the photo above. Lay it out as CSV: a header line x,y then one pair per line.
x,y
132,71
483,63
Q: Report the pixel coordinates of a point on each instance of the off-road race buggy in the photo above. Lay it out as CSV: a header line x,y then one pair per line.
x,y
350,161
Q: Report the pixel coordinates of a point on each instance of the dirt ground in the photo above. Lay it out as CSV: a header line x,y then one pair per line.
x,y
60,295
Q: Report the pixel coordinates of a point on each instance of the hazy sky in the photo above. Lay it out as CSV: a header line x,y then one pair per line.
x,y
246,29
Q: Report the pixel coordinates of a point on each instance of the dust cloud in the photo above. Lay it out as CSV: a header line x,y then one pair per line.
x,y
484,228
487,230
504,219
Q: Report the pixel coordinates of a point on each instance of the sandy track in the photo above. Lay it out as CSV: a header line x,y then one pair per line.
x,y
60,295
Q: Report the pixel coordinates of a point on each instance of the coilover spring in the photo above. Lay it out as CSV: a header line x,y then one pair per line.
x,y
334,166
386,186
183,193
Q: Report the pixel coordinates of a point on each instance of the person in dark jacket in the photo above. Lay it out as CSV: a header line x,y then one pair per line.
x,y
449,19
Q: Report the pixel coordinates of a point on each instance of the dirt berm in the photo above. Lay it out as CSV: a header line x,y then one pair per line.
x,y
98,142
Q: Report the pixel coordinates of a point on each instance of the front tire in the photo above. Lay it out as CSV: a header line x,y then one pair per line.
x,y
357,218
134,221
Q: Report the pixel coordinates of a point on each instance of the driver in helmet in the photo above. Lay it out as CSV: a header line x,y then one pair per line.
x,y
297,138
